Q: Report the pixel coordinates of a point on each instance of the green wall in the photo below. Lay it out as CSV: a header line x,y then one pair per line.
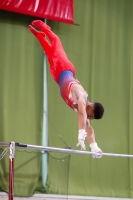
x,y
21,86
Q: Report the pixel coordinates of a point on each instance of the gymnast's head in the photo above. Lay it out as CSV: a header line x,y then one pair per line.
x,y
94,110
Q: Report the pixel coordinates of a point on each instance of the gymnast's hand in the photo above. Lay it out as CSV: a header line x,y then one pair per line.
x,y
96,149
81,138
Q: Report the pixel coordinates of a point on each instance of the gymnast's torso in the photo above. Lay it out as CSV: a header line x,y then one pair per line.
x,y
66,81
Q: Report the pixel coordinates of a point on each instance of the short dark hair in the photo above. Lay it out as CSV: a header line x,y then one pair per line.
x,y
98,110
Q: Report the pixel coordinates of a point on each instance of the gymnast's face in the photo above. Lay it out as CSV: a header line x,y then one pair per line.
x,y
90,111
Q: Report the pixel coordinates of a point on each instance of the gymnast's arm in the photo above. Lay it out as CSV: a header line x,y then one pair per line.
x,y
82,116
90,132
91,140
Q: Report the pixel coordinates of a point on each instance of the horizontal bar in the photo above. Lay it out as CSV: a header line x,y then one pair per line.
x,y
62,150
4,144
69,151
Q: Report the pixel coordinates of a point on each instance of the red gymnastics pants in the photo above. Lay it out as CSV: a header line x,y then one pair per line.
x,y
54,51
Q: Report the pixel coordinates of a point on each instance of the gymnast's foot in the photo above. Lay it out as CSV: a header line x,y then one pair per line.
x,y
35,32
41,25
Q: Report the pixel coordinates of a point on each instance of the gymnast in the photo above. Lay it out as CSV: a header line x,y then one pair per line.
x,y
63,72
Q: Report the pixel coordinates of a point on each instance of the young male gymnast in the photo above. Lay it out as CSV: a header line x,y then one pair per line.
x,y
63,72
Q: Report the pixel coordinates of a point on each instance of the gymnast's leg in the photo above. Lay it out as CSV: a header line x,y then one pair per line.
x,y
42,39
55,40
56,55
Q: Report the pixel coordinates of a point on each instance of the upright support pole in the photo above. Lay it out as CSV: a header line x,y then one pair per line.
x,y
45,123
11,171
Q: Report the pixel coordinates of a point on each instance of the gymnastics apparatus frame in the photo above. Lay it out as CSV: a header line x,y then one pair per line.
x,y
12,146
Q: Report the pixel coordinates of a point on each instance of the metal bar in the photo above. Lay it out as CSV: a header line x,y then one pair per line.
x,y
4,144
69,151
11,167
11,171
45,120
61,150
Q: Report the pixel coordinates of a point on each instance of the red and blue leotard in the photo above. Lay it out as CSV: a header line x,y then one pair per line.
x,y
65,81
